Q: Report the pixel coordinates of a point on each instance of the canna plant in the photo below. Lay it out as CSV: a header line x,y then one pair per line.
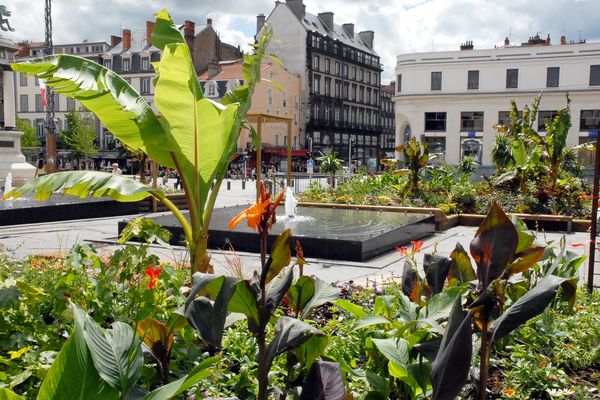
x,y
500,251
416,158
192,134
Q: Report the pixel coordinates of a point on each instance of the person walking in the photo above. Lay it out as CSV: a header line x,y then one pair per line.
x,y
116,170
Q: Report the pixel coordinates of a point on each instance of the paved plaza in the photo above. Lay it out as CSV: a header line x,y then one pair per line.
x,y
57,237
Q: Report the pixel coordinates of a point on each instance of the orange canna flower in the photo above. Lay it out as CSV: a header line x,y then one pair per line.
x,y
153,274
416,245
509,392
402,250
260,216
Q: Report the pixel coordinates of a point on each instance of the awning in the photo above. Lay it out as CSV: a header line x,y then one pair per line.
x,y
235,157
282,151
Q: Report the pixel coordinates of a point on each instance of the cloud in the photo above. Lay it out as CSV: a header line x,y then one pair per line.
x,y
401,26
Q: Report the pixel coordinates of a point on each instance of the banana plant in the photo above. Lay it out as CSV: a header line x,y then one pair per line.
x,y
416,156
500,252
193,134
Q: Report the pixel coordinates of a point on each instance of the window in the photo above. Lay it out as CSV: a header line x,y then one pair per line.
x,y
276,140
376,82
345,69
375,97
145,64
296,101
399,83
552,74
36,81
338,88
39,105
504,117
317,84
24,103
295,118
336,114
435,122
594,75
353,93
145,85
354,73
337,68
108,64
473,80
327,86
368,100
284,101
39,127
270,96
22,79
590,120
361,75
346,88
471,121
326,112
512,78
126,64
436,81
316,63
327,65
316,112
361,94
70,104
542,117
211,89
369,77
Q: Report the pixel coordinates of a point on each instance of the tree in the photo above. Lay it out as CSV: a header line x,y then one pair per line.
x,y
29,138
81,133
330,164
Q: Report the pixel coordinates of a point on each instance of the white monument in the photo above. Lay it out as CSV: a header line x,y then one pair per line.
x,y
11,158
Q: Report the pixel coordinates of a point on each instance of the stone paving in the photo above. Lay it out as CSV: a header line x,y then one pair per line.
x,y
57,237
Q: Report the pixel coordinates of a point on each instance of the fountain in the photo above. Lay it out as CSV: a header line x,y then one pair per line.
x,y
328,233
290,203
8,183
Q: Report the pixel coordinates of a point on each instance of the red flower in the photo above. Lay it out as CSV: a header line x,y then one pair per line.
x,y
153,274
402,250
416,245
577,244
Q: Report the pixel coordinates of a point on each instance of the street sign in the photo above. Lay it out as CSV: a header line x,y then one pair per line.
x,y
593,134
471,134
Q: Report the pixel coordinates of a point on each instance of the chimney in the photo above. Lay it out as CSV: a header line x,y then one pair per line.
x,y
468,45
149,29
213,68
189,29
126,38
208,21
563,39
327,19
260,22
368,37
114,40
349,28
506,42
548,40
297,7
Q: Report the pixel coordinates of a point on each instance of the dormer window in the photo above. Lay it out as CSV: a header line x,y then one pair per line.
x,y
126,64
232,84
211,89
145,63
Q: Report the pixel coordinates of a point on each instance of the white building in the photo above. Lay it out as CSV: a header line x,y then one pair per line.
x,y
452,99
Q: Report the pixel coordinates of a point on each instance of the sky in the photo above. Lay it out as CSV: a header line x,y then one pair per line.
x,y
401,26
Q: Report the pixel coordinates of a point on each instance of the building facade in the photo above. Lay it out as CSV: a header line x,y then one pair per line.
x,y
387,139
340,77
453,99
279,100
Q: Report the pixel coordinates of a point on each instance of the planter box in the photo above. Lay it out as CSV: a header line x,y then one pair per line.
x,y
178,199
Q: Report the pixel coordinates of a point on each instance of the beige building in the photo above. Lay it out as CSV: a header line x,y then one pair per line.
x,y
281,101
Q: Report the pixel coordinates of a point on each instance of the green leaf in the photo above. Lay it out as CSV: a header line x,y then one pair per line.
x,y
324,381
494,245
118,106
244,301
72,374
116,353
323,293
289,334
395,350
9,296
519,153
461,268
310,350
370,320
83,184
164,31
439,306
202,371
209,317
528,306
280,256
450,369
7,394
351,308
301,292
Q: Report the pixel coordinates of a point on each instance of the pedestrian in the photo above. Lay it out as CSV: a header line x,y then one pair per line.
x,y
178,183
116,170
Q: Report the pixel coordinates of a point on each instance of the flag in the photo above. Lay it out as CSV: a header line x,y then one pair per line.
x,y
43,89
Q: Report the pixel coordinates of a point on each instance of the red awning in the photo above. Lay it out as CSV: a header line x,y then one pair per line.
x,y
235,157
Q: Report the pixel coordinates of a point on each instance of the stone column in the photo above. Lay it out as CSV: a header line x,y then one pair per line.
x,y
8,78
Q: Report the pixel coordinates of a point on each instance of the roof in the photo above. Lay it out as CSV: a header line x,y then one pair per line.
x,y
313,23
233,69
197,28
138,44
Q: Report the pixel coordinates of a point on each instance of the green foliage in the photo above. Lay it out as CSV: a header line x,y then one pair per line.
x,y
29,138
330,164
81,133
416,156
